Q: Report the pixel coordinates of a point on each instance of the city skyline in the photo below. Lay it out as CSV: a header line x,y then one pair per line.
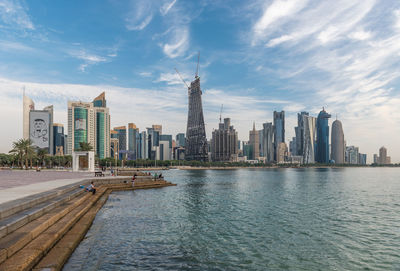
x,y
349,70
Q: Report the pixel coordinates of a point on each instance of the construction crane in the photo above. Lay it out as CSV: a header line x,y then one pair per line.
x,y
197,69
182,78
220,113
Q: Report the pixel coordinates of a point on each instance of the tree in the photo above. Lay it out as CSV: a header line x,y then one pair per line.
x,y
41,154
85,146
24,150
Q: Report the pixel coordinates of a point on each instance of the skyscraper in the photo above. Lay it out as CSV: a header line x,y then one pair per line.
x,y
180,140
254,143
224,143
121,135
89,122
337,144
279,130
383,159
196,141
299,131
132,135
352,155
322,155
309,139
268,144
59,139
27,106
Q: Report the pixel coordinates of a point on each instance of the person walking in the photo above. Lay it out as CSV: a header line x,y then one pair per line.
x,y
133,180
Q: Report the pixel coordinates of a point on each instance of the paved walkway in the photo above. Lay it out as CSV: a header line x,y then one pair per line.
x,y
19,184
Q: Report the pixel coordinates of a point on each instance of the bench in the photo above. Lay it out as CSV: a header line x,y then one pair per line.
x,y
98,174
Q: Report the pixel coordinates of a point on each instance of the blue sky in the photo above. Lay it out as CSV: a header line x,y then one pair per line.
x,y
256,57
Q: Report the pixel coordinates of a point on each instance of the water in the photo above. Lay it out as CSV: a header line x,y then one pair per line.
x,y
251,219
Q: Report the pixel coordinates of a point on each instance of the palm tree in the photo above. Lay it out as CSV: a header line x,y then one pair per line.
x,y
41,154
85,146
24,150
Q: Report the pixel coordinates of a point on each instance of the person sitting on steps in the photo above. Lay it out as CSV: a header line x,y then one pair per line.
x,y
91,188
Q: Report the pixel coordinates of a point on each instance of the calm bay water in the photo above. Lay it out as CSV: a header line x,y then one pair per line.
x,y
251,219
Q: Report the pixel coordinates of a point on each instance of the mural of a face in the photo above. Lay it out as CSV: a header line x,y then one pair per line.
x,y
40,128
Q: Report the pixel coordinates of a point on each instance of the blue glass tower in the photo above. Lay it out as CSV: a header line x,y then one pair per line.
x,y
322,155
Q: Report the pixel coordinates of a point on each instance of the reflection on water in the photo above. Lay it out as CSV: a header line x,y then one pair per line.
x,y
251,219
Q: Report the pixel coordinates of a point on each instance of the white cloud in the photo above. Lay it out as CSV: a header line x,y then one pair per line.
x,y
145,74
279,40
178,43
13,13
360,35
88,58
173,78
14,46
166,7
140,15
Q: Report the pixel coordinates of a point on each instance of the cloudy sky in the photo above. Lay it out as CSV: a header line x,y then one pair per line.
x,y
256,57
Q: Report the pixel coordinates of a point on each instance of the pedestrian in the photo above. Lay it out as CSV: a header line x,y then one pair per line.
x,y
133,180
91,188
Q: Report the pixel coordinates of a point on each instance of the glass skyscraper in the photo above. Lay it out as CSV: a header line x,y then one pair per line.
x,y
279,130
322,155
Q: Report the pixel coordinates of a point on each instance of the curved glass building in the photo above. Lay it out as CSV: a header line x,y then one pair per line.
x,y
337,143
322,154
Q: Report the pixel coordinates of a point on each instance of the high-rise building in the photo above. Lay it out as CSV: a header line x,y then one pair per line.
x,y
153,144
165,147
196,142
142,146
27,106
180,140
279,130
268,144
352,155
59,138
89,122
158,128
383,159
299,132
376,160
362,158
114,145
224,143
132,135
337,144
322,154
254,142
121,135
248,150
261,141
282,152
40,129
309,133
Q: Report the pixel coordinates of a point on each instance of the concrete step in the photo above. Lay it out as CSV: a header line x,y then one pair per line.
x,y
35,239
59,254
13,242
19,219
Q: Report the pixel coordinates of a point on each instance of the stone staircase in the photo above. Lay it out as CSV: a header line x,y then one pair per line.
x,y
41,232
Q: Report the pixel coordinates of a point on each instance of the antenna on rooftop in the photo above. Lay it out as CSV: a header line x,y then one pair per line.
x,y
220,113
197,69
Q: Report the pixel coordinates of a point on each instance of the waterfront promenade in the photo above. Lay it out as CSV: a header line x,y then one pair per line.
x,y
45,215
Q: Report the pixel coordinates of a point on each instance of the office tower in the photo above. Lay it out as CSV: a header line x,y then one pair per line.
x,y
268,144
59,138
165,147
253,141
337,145
309,139
142,146
299,133
376,160
352,155
180,140
293,146
89,122
114,145
322,154
261,141
383,159
66,145
224,143
247,150
157,128
362,159
27,106
196,142
279,129
41,128
132,135
153,144
121,135
281,152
